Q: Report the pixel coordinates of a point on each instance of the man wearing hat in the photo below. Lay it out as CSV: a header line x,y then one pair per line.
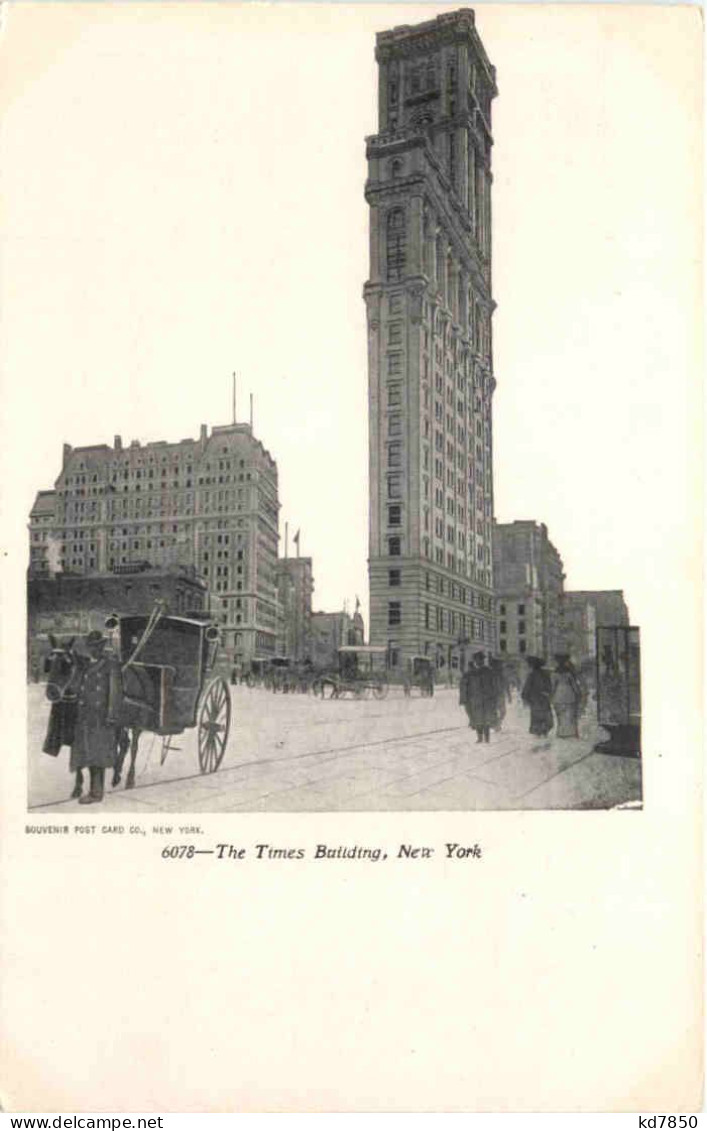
x,y
478,696
96,736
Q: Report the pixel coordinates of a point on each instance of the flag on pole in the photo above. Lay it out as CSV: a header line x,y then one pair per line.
x,y
296,541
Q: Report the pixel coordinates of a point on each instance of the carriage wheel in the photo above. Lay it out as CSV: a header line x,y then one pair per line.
x,y
214,724
328,689
380,690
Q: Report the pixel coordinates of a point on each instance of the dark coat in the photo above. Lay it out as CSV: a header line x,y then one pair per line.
x,y
96,735
478,694
536,693
62,723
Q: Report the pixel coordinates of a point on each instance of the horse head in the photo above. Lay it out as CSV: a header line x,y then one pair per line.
x,y
63,668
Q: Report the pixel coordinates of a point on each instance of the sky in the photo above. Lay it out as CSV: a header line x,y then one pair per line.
x,y
182,195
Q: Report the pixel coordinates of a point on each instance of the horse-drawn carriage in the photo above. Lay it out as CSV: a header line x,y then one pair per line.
x,y
259,674
420,674
281,674
161,679
362,670
168,684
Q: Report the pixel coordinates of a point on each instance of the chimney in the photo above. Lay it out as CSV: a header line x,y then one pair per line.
x,y
203,433
118,443
66,452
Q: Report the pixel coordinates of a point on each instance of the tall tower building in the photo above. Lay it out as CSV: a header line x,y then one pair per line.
x,y
429,308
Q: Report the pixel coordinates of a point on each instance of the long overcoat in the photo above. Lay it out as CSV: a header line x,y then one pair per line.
x,y
536,693
478,694
61,727
96,735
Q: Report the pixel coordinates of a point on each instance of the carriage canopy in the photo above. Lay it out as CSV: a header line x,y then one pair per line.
x,y
167,668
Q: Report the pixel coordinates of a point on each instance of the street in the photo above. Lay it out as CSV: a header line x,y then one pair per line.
x,y
295,753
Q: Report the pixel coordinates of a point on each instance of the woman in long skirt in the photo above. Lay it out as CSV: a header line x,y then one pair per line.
x,y
536,695
566,697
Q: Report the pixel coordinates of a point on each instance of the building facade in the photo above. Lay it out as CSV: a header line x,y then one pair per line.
x,y
430,371
210,504
579,627
529,585
585,610
331,631
72,604
295,586
609,605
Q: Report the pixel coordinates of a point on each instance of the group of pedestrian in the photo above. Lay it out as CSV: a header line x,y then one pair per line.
x,y
555,698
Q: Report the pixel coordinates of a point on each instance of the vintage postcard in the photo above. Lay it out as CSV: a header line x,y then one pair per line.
x,y
351,365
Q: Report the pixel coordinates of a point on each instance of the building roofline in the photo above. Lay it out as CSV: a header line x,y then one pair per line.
x,y
454,23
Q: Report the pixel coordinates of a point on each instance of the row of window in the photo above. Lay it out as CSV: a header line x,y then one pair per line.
x,y
445,620
503,629
476,571
456,591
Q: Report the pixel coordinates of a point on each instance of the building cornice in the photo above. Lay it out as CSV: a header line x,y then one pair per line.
x,y
406,42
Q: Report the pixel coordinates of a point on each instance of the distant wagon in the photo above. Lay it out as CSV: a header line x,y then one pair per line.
x,y
420,675
362,671
281,674
259,674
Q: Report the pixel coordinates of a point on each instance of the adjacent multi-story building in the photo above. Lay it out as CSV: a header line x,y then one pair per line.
x,y
66,604
430,371
295,585
579,627
210,503
585,610
529,584
609,605
331,631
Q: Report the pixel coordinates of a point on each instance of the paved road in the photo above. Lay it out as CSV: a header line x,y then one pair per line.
x,y
293,753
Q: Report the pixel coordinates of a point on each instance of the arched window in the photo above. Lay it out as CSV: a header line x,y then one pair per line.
x,y
396,168
395,244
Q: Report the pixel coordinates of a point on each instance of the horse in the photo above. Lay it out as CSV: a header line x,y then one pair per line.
x,y
64,668
136,711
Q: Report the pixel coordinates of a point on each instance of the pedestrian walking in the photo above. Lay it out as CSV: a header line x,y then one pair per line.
x,y
536,693
499,675
95,744
478,696
566,697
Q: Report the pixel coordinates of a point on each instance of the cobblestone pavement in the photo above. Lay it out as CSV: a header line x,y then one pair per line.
x,y
294,753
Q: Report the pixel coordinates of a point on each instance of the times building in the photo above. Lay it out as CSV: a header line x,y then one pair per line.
x,y
430,369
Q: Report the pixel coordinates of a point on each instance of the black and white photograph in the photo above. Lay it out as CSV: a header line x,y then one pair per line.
x,y
380,578
352,513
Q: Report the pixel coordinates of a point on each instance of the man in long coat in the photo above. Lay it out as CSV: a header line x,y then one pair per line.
x,y
479,697
95,742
